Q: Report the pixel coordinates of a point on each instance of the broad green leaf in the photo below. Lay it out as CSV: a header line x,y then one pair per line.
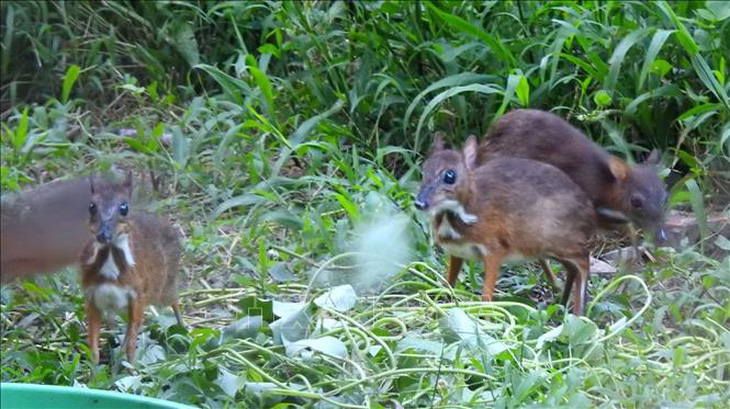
x,y
458,326
284,218
266,89
716,10
602,98
678,357
21,132
294,326
326,345
709,80
180,147
420,344
233,87
549,336
663,91
247,199
341,298
698,110
263,392
725,139
284,308
682,34
228,382
657,41
301,133
184,41
348,205
512,82
307,126
578,330
723,243
72,74
660,68
254,306
529,383
523,91
592,72
617,58
246,327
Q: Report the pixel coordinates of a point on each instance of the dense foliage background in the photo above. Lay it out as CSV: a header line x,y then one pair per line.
x,y
271,130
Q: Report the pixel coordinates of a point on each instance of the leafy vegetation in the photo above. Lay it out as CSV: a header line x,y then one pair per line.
x,y
273,130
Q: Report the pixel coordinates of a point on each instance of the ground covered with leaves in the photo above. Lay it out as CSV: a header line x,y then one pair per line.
x,y
285,140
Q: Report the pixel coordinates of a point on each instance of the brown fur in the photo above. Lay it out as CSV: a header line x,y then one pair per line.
x,y
156,251
614,187
44,229
522,208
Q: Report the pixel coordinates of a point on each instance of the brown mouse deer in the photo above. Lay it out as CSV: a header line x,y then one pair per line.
x,y
43,230
130,261
508,209
620,192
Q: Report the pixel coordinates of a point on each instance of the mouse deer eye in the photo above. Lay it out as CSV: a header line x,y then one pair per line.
x,y
92,208
637,202
123,209
450,177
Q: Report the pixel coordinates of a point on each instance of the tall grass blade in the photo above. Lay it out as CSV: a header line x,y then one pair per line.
x,y
72,74
448,82
619,54
232,87
657,42
467,28
478,88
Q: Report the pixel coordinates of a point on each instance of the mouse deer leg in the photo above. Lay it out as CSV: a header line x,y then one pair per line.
x,y
578,269
93,315
455,264
136,310
549,274
491,273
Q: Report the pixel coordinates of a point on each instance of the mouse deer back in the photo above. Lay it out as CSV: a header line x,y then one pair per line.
x,y
507,210
43,230
130,261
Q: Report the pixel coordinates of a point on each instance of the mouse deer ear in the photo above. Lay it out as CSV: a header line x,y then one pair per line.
x,y
618,168
127,184
653,158
471,148
438,141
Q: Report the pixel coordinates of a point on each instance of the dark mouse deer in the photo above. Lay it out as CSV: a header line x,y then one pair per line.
x,y
130,261
620,192
508,209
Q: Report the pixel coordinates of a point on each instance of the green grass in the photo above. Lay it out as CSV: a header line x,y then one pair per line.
x,y
276,130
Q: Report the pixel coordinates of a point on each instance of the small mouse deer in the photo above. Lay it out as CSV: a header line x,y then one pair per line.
x,y
130,261
43,230
620,192
508,209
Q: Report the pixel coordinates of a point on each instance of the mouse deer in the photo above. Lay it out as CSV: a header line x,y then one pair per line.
x,y
621,193
506,210
130,261
43,230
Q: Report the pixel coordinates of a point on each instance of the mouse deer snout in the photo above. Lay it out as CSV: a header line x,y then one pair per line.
x,y
105,234
424,197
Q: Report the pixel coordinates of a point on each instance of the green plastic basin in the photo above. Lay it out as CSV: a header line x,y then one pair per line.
x,y
32,396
